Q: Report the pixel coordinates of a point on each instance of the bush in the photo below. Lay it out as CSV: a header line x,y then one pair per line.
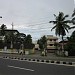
x,y
70,47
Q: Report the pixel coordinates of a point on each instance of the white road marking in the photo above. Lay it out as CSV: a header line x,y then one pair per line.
x,y
20,68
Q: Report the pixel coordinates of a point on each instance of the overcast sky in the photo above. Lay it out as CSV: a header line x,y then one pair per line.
x,y
32,16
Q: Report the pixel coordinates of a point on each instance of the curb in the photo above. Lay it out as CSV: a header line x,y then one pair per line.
x,y
43,61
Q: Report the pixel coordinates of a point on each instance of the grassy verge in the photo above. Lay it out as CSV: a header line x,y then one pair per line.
x,y
0,49
31,51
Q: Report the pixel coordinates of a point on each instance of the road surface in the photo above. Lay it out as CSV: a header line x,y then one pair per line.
x,y
20,67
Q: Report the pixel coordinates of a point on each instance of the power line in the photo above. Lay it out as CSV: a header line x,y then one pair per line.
x,y
41,20
39,24
35,24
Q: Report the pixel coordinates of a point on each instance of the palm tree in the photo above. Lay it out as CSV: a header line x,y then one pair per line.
x,y
73,13
61,26
73,19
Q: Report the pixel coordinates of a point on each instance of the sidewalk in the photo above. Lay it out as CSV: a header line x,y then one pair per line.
x,y
37,55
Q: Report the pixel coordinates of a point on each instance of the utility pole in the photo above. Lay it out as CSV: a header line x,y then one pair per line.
x,y
12,25
12,37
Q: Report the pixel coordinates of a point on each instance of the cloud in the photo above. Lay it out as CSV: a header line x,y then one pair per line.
x,y
28,14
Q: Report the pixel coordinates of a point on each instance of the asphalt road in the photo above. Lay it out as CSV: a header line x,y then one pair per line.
x,y
16,67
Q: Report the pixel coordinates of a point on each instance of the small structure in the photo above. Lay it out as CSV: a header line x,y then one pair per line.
x,y
36,46
61,42
61,51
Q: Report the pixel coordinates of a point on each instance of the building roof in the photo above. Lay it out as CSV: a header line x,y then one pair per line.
x,y
51,37
9,30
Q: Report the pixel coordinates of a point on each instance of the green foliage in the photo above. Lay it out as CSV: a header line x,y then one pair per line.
x,y
73,19
28,39
73,13
70,46
28,42
3,27
16,38
42,42
61,25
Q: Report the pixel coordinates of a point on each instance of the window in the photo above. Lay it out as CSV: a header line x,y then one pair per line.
x,y
54,39
51,44
50,39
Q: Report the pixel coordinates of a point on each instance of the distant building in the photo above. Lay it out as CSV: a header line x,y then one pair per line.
x,y
10,30
51,40
51,43
37,47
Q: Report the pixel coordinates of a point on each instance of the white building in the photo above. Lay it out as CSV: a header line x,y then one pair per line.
x,y
51,43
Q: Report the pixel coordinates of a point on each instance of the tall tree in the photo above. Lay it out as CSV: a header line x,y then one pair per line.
x,y
70,46
3,27
73,19
61,25
42,42
28,42
73,13
28,39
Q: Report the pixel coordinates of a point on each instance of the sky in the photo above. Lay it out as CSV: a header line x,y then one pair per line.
x,y
33,16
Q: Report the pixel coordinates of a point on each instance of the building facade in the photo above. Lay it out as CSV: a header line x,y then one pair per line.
x,y
51,43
